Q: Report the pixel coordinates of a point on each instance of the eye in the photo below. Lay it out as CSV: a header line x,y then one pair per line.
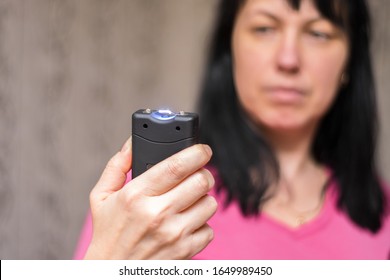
x,y
320,35
264,29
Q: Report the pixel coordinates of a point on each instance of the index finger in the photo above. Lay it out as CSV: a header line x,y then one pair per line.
x,y
165,175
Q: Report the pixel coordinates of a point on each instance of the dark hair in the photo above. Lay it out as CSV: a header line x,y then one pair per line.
x,y
346,137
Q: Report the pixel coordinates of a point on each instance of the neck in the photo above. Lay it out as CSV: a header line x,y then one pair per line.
x,y
302,179
292,150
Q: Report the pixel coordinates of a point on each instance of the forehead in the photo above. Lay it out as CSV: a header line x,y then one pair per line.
x,y
279,8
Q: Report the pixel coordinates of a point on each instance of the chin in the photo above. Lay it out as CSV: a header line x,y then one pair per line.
x,y
281,121
284,125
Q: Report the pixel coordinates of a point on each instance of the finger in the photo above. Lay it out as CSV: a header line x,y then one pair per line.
x,y
185,248
170,172
200,239
190,190
114,175
198,214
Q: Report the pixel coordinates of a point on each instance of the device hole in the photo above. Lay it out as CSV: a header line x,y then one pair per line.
x,y
145,125
178,128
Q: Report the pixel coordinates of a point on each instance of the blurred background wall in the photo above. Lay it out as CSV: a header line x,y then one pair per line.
x,y
71,74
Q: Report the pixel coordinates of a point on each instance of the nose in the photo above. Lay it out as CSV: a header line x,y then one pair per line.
x,y
288,56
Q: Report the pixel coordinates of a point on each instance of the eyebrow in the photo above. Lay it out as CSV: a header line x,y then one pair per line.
x,y
263,13
278,19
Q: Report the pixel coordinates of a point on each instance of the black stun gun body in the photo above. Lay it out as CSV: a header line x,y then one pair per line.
x,y
158,134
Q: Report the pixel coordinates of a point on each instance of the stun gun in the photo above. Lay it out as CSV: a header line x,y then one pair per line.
x,y
158,134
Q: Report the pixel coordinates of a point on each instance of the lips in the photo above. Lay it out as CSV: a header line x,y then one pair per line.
x,y
285,95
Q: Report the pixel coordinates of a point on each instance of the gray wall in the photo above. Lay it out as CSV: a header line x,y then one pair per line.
x,y
71,74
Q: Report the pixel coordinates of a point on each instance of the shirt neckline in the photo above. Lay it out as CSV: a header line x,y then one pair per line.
x,y
315,224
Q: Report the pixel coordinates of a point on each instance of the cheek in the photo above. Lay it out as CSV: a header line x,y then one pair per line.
x,y
326,78
325,91
248,70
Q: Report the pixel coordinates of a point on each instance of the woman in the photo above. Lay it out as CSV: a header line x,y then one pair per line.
x,y
288,108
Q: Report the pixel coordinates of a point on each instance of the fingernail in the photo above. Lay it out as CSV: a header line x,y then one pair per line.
x,y
126,146
208,150
211,181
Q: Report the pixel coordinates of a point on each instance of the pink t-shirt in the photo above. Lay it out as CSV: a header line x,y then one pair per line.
x,y
330,235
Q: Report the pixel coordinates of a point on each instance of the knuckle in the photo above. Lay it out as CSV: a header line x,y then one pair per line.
x,y
153,224
167,235
176,167
155,218
183,251
211,203
92,197
202,182
129,197
204,236
185,254
112,163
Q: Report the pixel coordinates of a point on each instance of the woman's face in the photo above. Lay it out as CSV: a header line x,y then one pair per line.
x,y
287,63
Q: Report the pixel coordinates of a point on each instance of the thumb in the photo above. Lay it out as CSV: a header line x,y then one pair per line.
x,y
114,175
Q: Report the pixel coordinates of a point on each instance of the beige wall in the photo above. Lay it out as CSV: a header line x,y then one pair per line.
x,y
71,74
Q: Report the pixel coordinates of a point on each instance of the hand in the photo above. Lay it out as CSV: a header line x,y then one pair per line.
x,y
161,214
